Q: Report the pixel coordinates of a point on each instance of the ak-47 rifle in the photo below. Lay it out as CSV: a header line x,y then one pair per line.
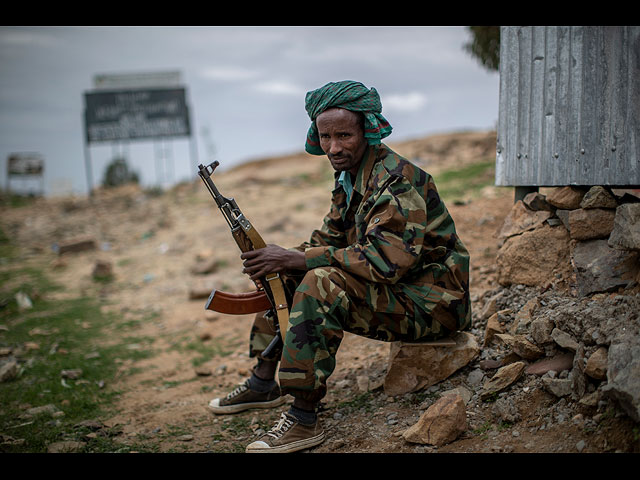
x,y
270,290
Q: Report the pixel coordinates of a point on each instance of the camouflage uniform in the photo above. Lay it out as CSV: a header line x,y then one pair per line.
x,y
387,265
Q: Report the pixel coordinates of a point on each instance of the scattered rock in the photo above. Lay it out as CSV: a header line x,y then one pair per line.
x,y
596,366
541,329
492,329
198,293
205,267
8,370
102,270
560,387
23,301
503,378
558,363
413,366
65,447
524,317
72,374
442,423
202,371
564,340
49,409
77,245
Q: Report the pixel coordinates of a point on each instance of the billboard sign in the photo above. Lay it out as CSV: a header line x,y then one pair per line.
x,y
25,164
136,114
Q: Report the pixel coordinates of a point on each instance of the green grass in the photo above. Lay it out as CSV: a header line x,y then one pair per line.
x,y
466,182
53,336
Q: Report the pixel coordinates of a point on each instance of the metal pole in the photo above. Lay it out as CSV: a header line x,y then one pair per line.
x,y
87,159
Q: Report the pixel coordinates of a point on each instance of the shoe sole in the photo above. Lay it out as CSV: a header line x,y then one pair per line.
x,y
257,447
241,407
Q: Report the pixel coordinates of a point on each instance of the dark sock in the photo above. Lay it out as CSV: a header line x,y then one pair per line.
x,y
303,416
259,385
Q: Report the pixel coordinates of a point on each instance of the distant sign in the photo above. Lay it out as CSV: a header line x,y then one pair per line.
x,y
130,81
25,164
136,114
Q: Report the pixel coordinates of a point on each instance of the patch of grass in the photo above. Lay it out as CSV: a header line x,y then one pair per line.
x,y
361,402
459,184
48,343
204,350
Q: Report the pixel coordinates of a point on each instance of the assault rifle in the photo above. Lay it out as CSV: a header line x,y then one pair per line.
x,y
270,291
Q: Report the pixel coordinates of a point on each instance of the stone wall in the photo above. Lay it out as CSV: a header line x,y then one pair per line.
x,y
587,238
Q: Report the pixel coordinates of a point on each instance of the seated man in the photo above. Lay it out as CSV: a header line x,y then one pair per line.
x,y
386,264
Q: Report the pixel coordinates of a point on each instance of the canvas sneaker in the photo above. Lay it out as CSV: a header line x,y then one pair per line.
x,y
243,398
288,435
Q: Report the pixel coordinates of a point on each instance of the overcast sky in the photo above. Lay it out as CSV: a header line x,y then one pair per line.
x,y
245,87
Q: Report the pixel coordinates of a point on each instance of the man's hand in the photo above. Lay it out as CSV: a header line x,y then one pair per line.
x,y
271,259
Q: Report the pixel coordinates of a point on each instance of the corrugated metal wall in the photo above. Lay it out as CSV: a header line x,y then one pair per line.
x,y
569,110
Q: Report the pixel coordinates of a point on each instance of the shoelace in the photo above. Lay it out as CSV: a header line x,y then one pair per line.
x,y
281,427
237,391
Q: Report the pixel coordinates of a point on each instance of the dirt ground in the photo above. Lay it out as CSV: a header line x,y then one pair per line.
x,y
153,244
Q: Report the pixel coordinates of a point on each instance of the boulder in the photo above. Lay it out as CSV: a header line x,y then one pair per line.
x,y
626,227
600,268
623,376
414,366
537,201
534,257
521,219
587,224
566,198
598,197
442,423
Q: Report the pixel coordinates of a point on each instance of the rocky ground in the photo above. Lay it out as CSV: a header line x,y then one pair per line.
x,y
167,251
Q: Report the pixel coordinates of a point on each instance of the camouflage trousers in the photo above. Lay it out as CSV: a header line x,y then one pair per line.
x,y
327,302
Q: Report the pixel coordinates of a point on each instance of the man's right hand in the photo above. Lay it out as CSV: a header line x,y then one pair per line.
x,y
271,259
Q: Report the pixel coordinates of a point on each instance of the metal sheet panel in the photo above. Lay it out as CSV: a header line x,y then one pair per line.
x,y
569,110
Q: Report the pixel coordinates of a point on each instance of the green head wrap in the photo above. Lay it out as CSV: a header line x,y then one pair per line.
x,y
352,96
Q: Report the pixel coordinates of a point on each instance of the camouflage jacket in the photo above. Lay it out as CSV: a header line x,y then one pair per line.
x,y
395,230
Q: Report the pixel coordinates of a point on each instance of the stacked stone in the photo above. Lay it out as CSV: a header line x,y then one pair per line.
x,y
589,236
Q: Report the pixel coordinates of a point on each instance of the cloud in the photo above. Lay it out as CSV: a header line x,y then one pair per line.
x,y
228,73
406,102
280,88
25,37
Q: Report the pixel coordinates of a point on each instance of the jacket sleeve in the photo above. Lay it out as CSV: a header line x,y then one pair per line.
x,y
390,241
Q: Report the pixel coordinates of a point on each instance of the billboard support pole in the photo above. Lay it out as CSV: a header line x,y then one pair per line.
x,y
87,161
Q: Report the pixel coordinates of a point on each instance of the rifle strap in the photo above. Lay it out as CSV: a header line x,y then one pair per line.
x,y
275,284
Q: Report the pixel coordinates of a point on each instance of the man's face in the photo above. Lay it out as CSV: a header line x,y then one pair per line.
x,y
341,138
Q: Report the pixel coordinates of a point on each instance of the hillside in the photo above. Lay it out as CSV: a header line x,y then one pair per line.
x,y
158,245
